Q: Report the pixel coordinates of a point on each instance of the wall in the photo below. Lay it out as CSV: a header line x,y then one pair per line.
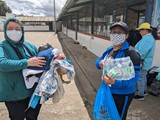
x,y
71,34
1,26
94,44
85,40
64,30
156,59
36,28
98,45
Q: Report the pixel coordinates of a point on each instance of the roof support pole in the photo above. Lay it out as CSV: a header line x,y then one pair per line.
x,y
125,18
67,26
77,21
149,10
55,27
138,18
92,17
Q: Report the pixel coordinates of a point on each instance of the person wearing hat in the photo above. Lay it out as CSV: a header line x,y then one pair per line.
x,y
17,54
122,90
145,48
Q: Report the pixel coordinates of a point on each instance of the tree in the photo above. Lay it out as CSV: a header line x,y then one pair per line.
x,y
4,8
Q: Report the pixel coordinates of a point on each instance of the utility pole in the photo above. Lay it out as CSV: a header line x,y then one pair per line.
x,y
55,27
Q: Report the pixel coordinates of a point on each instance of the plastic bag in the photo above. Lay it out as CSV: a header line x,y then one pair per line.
x,y
155,88
104,106
119,68
60,91
158,73
158,76
152,75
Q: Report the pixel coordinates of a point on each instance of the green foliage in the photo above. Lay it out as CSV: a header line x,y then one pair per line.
x,y
4,8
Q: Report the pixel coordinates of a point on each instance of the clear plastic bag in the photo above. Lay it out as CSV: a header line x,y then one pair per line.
x,y
119,68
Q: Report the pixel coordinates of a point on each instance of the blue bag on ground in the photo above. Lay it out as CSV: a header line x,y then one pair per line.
x,y
104,106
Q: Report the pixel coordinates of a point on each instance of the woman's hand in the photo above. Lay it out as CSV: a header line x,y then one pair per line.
x,y
37,61
107,79
101,63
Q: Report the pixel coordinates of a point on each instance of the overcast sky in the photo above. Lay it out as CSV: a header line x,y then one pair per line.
x,y
35,7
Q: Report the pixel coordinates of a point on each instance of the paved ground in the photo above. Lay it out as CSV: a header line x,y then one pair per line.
x,y
71,107
88,81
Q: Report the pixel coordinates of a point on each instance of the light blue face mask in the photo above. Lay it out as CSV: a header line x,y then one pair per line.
x,y
14,35
117,39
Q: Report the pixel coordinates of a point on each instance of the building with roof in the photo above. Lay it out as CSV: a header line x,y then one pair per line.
x,y
32,23
88,21
2,20
37,23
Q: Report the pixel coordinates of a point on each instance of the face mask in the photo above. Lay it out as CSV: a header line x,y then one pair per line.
x,y
117,39
14,35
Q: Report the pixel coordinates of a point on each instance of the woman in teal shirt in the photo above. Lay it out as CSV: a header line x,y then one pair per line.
x,y
16,55
145,47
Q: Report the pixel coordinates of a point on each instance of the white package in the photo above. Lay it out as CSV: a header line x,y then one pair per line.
x,y
119,68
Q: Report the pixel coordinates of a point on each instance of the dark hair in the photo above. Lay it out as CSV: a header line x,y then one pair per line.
x,y
44,47
154,32
134,37
13,21
149,30
16,21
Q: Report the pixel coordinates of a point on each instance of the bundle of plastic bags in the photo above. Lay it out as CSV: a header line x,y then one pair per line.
x,y
119,68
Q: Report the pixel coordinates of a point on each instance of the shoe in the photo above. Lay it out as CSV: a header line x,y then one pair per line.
x,y
138,97
145,93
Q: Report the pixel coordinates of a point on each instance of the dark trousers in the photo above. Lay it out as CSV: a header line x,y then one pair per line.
x,y
17,110
122,103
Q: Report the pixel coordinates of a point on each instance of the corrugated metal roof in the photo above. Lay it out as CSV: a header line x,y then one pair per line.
x,y
72,5
65,8
75,5
82,1
35,19
74,9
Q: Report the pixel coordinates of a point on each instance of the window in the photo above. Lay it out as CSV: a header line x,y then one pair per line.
x,y
69,22
85,19
106,13
64,22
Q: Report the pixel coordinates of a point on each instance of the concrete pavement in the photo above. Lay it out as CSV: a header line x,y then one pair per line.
x,y
71,107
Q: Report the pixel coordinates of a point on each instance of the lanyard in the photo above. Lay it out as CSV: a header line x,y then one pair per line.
x,y
20,56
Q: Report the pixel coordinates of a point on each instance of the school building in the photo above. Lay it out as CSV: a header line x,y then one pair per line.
x,y
88,21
